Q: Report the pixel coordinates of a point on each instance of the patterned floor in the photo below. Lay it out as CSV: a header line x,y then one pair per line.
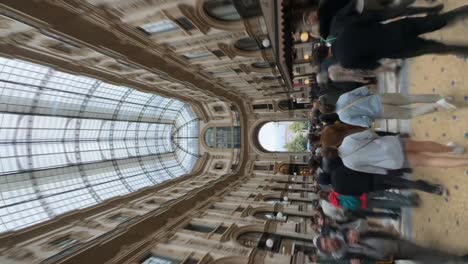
x,y
443,223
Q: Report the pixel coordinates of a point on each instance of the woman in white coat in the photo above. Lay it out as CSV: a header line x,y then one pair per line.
x,y
367,152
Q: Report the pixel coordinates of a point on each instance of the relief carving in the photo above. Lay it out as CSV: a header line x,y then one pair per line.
x,y
20,254
22,37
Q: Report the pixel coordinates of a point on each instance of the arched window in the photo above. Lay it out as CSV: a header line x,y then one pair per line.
x,y
263,65
284,136
222,10
247,44
223,137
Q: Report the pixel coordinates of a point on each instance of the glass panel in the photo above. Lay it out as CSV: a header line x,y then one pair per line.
x,y
159,260
63,242
159,27
223,137
197,54
263,64
69,142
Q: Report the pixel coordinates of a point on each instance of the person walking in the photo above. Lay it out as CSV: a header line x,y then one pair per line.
x,y
360,107
361,40
365,151
350,182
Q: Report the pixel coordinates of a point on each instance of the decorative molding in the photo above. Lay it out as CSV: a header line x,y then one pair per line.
x,y
5,23
22,37
257,257
243,53
215,23
80,236
20,254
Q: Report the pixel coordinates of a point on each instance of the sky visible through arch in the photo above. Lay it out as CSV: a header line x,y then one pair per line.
x,y
274,135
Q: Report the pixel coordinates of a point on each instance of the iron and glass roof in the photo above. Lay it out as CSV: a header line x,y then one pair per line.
x,y
68,142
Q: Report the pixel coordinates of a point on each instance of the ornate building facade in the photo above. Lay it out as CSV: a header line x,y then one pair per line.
x,y
129,132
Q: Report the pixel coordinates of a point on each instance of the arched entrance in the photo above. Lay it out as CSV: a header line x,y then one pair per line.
x,y
284,136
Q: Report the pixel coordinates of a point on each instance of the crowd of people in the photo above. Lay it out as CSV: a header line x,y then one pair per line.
x,y
357,168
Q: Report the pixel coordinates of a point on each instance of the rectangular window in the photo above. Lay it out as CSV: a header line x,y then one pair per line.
x,y
218,108
221,208
196,54
262,106
220,230
219,53
63,242
260,167
159,27
223,137
159,260
119,218
199,228
184,23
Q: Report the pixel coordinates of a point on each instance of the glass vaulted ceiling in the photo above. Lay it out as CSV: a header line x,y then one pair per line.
x,y
69,142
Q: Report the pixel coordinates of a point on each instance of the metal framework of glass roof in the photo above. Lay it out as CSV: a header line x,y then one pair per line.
x,y
68,142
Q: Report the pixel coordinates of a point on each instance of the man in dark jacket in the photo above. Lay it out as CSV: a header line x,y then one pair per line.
x,y
328,9
350,182
360,40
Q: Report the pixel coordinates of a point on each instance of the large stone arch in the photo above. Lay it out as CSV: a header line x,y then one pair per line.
x,y
254,136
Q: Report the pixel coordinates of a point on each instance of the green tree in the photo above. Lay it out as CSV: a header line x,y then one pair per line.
x,y
297,127
297,144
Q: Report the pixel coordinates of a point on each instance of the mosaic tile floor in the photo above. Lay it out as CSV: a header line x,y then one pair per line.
x,y
440,222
